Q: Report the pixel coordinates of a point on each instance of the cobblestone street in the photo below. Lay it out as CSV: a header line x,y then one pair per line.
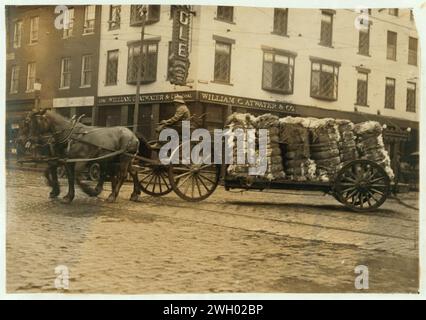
x,y
231,242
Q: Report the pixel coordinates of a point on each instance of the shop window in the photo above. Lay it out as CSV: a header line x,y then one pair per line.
x,y
65,112
278,72
324,79
149,62
390,93
87,112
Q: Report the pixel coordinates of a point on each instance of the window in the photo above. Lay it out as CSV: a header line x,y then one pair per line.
x,y
222,62
153,14
362,88
14,79
411,97
65,73
412,51
278,71
114,17
17,34
326,28
390,93
149,62
364,40
411,15
225,13
68,23
393,12
280,21
31,75
86,71
324,79
34,30
112,67
89,19
391,48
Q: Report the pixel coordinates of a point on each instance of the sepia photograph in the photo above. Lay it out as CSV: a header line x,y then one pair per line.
x,y
211,149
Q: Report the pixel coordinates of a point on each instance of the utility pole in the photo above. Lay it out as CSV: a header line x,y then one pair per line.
x,y
139,72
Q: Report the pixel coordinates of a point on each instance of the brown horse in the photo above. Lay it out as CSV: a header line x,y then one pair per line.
x,y
115,147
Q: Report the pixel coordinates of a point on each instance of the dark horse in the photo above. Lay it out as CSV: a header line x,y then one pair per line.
x,y
115,147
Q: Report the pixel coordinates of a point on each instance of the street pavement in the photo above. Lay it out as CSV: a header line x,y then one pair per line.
x,y
280,242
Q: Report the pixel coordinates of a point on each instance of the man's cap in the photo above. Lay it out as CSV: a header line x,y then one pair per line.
x,y
179,99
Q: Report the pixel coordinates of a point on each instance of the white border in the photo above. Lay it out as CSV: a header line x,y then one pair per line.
x,y
420,19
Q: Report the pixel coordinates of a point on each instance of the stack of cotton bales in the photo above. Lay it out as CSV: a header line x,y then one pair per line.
x,y
294,134
274,159
347,144
370,144
325,138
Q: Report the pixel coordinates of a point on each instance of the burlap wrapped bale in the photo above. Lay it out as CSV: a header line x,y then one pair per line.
x,y
324,148
241,121
273,152
294,135
347,144
370,144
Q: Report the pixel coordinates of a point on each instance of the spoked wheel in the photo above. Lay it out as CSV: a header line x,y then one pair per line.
x,y
94,171
194,182
362,185
154,181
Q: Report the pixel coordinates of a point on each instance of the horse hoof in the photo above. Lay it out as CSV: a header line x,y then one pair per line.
x,y
53,195
66,199
111,199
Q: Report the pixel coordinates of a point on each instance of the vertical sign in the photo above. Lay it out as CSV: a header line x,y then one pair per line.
x,y
179,57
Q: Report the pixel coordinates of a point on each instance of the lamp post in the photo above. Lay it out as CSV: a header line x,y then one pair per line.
x,y
37,89
139,72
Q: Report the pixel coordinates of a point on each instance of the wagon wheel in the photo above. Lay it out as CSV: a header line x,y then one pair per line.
x,y
154,181
194,182
362,185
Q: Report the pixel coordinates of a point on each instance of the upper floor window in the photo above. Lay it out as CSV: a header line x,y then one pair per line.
x,y
278,71
411,97
34,30
68,23
362,88
412,51
394,12
86,70
136,13
280,21
324,79
364,40
390,93
411,15
31,76
89,19
14,79
114,17
326,38
225,13
391,45
112,67
222,62
149,62
17,34
65,81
